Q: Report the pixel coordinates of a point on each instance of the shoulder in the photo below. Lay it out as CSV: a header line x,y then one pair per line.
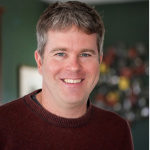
x,y
113,127
11,107
9,113
16,105
100,111
109,118
16,108
111,122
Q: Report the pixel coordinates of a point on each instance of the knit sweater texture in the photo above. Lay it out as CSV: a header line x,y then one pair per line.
x,y
25,125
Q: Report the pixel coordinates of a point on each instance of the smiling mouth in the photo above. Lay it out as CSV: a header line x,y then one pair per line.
x,y
72,81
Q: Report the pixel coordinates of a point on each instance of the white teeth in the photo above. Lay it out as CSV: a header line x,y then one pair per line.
x,y
72,81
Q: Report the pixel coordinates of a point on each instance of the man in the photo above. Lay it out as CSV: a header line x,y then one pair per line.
x,y
60,116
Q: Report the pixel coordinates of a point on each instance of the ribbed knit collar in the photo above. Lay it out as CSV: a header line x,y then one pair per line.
x,y
56,120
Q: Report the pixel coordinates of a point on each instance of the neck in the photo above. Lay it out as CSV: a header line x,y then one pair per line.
x,y
65,111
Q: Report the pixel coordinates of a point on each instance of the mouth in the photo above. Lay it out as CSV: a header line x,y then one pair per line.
x,y
72,80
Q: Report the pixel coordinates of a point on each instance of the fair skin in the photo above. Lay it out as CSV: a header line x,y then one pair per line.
x,y
70,71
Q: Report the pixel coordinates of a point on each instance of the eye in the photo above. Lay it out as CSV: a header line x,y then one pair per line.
x,y
85,55
60,54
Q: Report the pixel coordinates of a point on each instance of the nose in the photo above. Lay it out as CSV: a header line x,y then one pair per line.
x,y
73,64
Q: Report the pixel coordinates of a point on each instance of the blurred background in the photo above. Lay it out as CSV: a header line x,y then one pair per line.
x,y
123,86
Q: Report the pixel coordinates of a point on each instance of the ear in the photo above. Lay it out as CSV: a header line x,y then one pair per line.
x,y
38,61
101,57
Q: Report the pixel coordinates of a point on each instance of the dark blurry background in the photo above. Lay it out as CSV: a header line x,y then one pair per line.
x,y
123,85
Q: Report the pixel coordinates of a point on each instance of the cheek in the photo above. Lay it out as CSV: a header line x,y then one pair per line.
x,y
94,67
51,68
93,70
97,73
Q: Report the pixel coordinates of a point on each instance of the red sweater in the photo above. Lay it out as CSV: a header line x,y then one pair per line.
x,y
25,125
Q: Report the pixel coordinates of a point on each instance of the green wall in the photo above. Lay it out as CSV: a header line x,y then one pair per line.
x,y
128,23
18,41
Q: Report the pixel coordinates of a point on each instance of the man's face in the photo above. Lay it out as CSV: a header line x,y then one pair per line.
x,y
70,66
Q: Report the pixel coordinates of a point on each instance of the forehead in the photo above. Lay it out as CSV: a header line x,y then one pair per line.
x,y
72,37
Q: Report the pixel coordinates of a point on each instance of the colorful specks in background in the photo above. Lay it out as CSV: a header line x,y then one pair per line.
x,y
123,86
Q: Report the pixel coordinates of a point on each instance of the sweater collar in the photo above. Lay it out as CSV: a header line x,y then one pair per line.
x,y
54,119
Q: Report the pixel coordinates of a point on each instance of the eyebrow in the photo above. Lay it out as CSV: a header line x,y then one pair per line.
x,y
58,49
89,50
65,49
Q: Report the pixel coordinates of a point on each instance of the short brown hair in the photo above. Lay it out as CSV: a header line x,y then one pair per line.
x,y
61,16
